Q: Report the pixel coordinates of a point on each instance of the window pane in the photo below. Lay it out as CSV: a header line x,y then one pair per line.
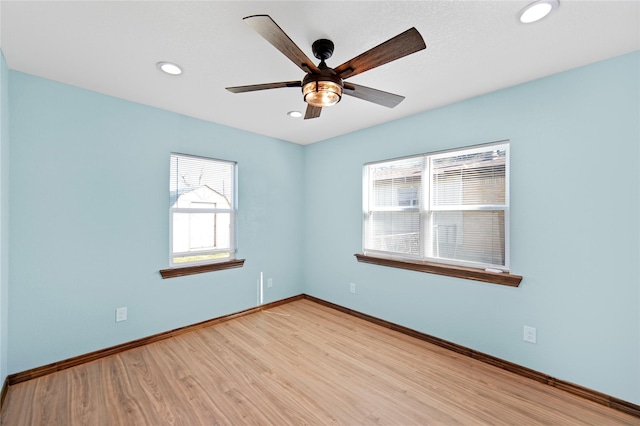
x,y
396,184
194,232
396,232
470,236
469,179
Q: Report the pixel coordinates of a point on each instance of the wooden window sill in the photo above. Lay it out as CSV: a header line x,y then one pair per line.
x,y
448,270
200,269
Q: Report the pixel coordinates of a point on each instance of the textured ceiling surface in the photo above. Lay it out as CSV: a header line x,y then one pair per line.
x,y
473,47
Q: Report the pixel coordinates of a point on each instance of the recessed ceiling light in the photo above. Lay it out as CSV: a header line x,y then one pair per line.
x,y
294,114
169,68
537,10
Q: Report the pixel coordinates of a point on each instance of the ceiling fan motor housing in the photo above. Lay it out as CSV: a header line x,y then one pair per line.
x,y
322,49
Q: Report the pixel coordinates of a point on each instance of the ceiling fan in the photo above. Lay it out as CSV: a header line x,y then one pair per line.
x,y
323,86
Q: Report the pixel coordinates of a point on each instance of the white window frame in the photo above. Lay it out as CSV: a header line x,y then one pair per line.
x,y
426,209
232,211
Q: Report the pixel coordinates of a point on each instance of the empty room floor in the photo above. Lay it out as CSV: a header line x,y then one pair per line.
x,y
297,363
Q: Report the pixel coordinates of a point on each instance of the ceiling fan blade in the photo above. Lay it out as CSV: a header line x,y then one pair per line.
x,y
312,112
254,87
376,96
401,45
267,28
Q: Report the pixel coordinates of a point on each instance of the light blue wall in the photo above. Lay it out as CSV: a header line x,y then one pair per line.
x,y
575,215
4,216
89,206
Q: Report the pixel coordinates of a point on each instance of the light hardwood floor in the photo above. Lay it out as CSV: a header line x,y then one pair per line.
x,y
298,363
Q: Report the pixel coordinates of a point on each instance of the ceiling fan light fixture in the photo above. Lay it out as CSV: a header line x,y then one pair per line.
x,y
323,93
537,10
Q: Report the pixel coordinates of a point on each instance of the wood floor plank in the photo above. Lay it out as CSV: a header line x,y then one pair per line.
x,y
297,363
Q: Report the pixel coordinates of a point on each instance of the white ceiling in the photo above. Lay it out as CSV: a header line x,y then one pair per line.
x,y
473,47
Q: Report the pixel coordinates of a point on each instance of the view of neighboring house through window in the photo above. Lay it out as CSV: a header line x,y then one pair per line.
x,y
449,207
202,210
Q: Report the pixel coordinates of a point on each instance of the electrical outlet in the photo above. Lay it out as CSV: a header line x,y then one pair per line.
x,y
270,282
529,334
121,314
352,287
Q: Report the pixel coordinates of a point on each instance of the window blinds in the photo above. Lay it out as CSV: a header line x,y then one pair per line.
x,y
189,173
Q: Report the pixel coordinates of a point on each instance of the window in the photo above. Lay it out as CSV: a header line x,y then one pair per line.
x,y
202,201
448,207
